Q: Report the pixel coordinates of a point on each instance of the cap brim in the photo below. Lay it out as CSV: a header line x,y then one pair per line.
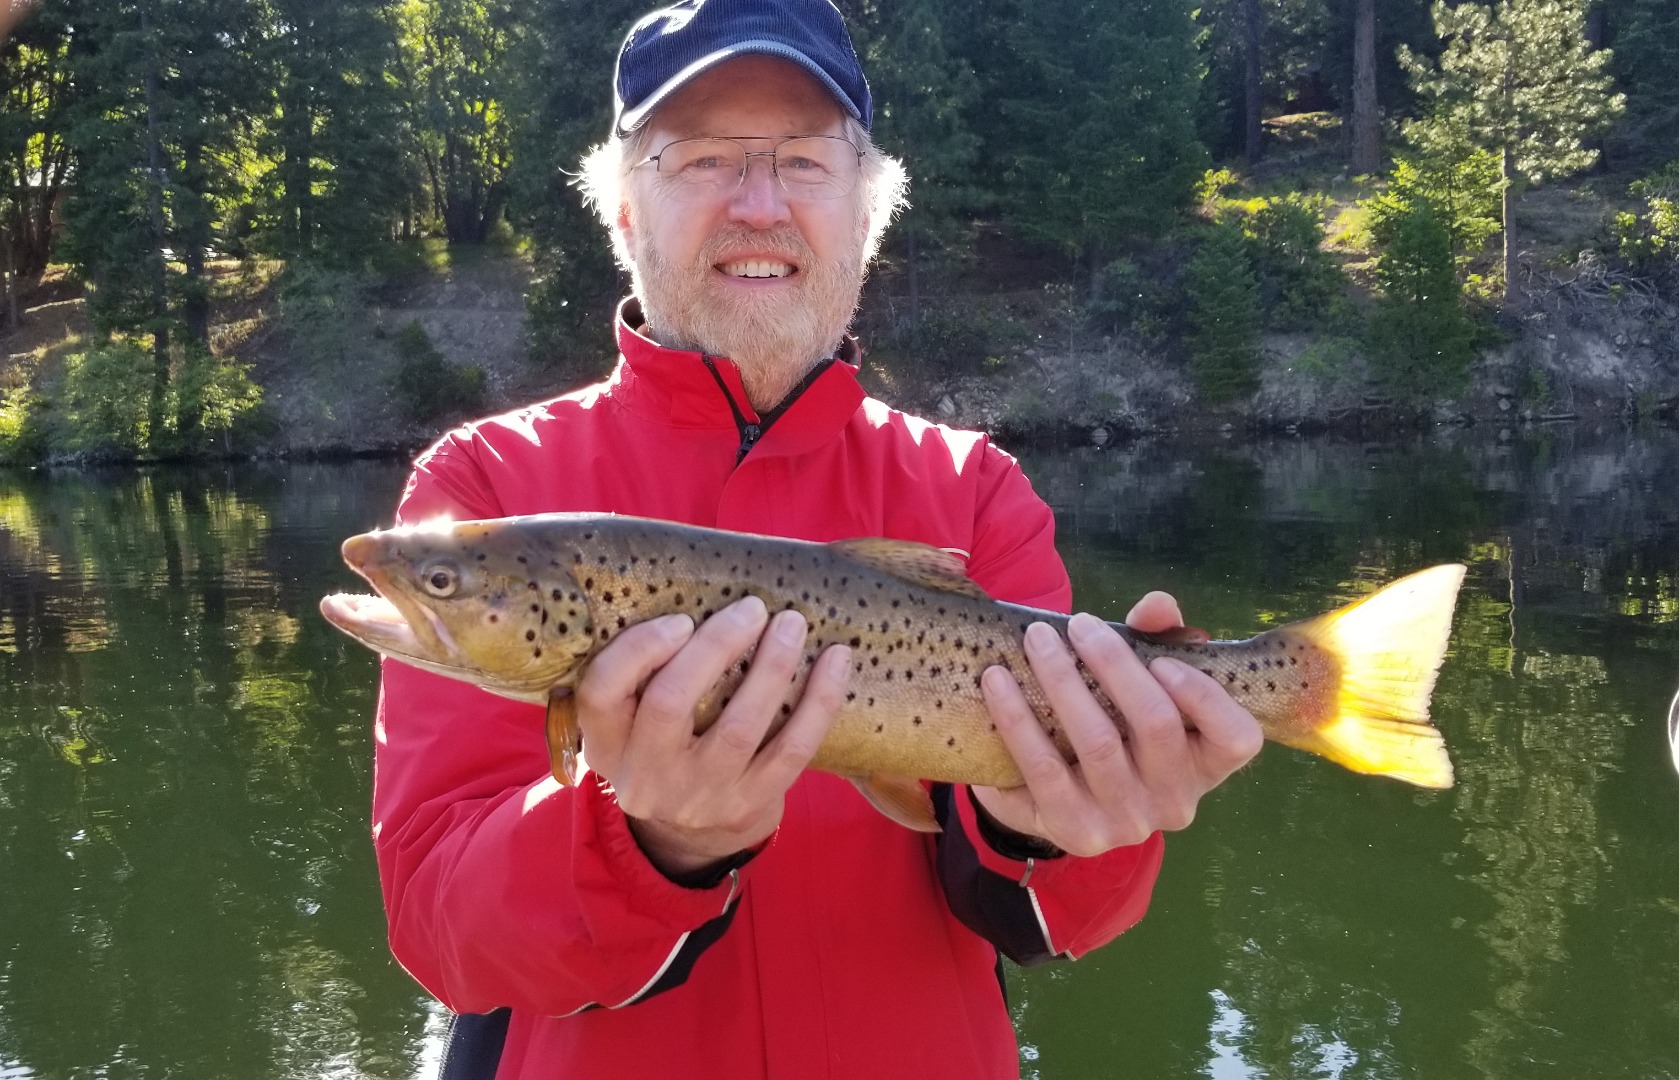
x,y
631,119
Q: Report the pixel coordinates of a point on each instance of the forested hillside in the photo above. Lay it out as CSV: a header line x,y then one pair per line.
x,y
236,226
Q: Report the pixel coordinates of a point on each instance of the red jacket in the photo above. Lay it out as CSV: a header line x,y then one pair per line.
x,y
850,946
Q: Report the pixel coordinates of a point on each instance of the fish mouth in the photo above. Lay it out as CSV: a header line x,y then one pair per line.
x,y
389,623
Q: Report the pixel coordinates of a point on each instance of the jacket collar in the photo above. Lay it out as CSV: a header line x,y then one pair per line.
x,y
677,387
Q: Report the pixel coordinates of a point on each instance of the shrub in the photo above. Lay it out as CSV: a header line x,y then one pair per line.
x,y
951,338
1223,316
1299,282
427,386
23,427
1648,239
209,396
107,395
1421,338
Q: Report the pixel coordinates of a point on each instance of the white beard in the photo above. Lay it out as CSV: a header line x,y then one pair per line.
x,y
774,339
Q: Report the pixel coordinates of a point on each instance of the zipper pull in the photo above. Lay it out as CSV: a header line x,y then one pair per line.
x,y
748,438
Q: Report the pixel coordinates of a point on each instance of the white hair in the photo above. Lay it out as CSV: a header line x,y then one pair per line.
x,y
605,172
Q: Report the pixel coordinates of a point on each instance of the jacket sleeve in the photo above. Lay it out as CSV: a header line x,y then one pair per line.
x,y
500,886
1036,908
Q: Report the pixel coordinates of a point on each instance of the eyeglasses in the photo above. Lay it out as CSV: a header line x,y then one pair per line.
x,y
808,167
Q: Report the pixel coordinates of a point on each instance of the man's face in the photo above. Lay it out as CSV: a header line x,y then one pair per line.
x,y
750,274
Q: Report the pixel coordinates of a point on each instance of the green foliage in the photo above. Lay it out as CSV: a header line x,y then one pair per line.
x,y
429,387
106,394
1088,134
1222,294
210,396
951,338
1462,186
323,310
1300,285
23,426
1647,239
1420,339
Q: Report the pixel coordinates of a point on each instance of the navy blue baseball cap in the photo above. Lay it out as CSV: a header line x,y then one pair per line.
x,y
673,45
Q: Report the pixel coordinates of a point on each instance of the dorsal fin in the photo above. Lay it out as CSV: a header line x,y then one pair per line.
x,y
922,564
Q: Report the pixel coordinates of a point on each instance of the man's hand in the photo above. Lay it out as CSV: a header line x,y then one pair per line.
x,y
695,800
1185,736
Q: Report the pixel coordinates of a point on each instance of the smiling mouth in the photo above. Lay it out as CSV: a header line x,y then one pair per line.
x,y
758,268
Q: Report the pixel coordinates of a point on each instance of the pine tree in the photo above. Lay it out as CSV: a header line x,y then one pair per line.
x,y
35,93
921,94
337,153
1518,79
1093,126
455,68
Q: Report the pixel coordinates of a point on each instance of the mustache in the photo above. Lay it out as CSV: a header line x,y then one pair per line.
x,y
783,241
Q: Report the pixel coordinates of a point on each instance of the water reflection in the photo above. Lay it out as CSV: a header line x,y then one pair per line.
x,y
184,779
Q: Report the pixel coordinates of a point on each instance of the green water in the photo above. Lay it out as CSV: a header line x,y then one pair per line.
x,y
187,888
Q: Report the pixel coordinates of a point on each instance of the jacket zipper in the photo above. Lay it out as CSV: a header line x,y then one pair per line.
x,y
753,430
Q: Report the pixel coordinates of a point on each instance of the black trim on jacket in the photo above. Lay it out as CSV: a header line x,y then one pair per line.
x,y
991,905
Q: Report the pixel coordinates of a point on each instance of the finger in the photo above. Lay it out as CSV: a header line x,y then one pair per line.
x,y
665,718
1046,773
760,701
1096,738
1158,745
1224,735
607,694
790,751
1155,612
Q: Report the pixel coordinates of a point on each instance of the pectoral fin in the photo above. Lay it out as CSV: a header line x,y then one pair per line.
x,y
901,798
565,737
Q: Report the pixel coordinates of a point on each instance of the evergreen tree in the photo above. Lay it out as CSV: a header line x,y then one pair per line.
x,y
921,93
1420,337
1645,35
1223,316
35,92
336,150
1520,80
560,105
1094,128
455,66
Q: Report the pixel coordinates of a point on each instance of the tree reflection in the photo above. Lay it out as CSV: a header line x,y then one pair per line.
x,y
183,783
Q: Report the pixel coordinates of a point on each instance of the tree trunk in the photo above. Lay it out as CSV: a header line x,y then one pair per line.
x,y
1253,132
160,300
1367,130
1597,36
1507,169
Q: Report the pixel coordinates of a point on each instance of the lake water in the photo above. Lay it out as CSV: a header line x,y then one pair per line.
x,y
187,888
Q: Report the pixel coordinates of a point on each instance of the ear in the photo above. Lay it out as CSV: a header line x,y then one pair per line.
x,y
626,231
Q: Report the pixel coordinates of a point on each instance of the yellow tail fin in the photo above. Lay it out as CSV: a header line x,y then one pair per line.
x,y
1390,645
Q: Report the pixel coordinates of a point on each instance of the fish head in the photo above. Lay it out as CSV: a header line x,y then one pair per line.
x,y
473,600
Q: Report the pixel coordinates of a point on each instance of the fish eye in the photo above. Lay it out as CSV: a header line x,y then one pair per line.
x,y
441,579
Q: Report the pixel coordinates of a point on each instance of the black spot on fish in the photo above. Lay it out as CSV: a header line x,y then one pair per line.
x,y
874,661
556,596
622,569
532,586
1252,666
535,608
480,556
806,596
856,641
677,599
620,622
908,675
938,703
871,703
607,597
1244,688
950,741
523,559
1269,685
588,583
588,536
538,653
833,612
563,628
851,695
779,582
601,560
895,603
862,603
941,612
1293,660
652,588
727,590
494,617
888,674
1230,676
1304,685
878,728
706,615
916,721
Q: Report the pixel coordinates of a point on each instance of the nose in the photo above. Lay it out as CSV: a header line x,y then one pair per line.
x,y
759,201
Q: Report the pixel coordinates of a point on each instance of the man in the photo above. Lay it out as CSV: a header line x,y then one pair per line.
x,y
702,906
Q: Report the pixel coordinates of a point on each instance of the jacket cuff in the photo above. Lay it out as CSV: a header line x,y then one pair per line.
x,y
1012,863
644,887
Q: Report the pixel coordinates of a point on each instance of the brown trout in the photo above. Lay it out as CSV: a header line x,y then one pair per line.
x,y
519,606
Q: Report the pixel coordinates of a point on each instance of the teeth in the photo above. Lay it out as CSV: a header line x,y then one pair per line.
x,y
757,268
